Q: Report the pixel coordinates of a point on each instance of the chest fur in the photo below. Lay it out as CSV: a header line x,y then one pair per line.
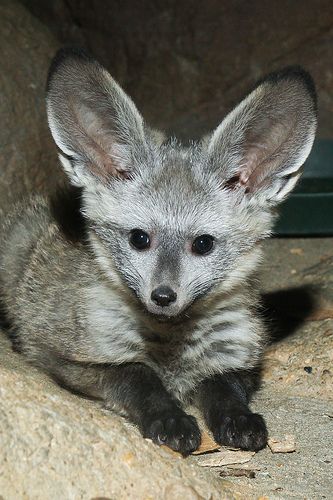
x,y
181,354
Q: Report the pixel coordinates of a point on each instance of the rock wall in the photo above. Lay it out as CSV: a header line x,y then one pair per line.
x,y
186,63
28,160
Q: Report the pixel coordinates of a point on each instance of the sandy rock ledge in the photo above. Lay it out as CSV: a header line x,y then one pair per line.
x,y
56,445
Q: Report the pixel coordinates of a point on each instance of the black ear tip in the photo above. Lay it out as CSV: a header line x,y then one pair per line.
x,y
62,55
293,73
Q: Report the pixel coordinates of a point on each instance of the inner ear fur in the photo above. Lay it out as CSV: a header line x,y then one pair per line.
x,y
268,136
92,120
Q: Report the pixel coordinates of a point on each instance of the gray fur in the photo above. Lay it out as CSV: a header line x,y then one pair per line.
x,y
84,303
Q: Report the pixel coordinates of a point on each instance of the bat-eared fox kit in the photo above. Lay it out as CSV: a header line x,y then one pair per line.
x,y
137,285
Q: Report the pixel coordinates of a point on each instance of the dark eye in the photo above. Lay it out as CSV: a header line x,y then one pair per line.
x,y
139,239
203,244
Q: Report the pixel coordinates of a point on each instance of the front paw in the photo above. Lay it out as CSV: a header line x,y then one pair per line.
x,y
177,430
247,432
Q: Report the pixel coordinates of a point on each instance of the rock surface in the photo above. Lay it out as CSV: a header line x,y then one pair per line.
x,y
186,66
56,445
28,160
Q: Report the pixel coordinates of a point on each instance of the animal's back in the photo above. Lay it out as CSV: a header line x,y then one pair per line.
x,y
21,231
39,266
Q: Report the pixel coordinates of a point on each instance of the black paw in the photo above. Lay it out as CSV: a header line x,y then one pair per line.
x,y
247,432
177,430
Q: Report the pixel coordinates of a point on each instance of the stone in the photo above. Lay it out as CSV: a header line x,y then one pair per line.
x,y
28,159
187,66
57,445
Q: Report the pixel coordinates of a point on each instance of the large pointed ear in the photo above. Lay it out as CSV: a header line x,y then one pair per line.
x,y
95,125
259,148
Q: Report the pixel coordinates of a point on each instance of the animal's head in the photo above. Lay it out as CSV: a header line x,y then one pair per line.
x,y
173,222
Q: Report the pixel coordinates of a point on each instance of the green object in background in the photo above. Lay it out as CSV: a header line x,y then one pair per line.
x,y
309,209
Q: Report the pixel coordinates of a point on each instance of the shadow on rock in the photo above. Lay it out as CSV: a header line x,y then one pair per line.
x,y
286,310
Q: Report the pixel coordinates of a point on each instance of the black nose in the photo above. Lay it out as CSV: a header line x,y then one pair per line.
x,y
163,296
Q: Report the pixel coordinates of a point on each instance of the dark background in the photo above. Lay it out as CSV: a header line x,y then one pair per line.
x,y
186,63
